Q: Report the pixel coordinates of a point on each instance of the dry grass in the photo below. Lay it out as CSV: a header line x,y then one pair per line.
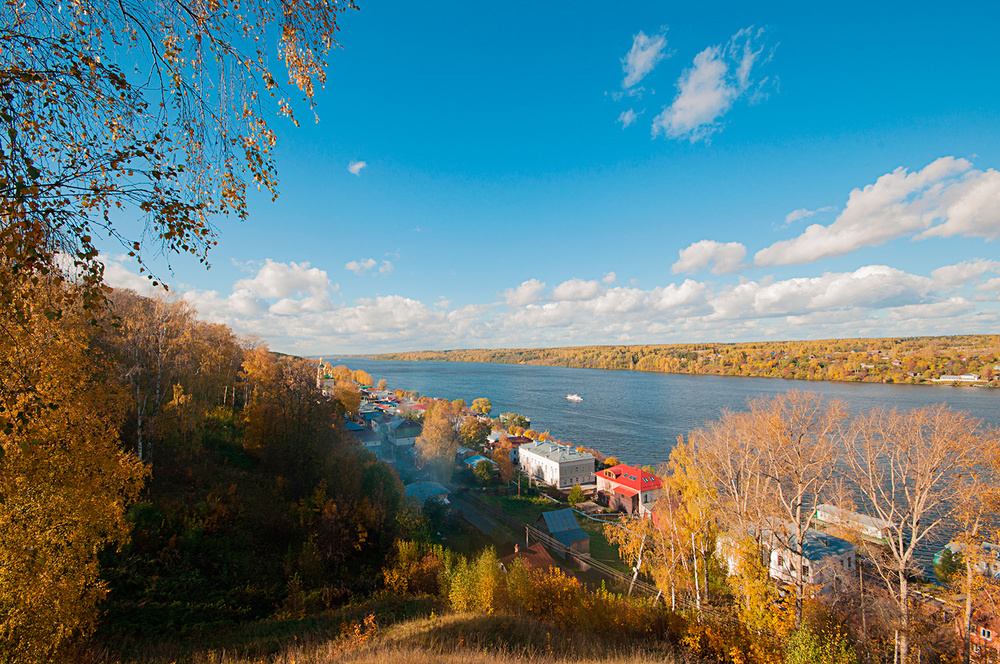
x,y
448,639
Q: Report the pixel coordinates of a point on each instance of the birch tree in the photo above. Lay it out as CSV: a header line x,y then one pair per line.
x,y
799,434
910,469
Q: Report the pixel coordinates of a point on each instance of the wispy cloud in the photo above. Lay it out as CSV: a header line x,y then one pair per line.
x,y
355,167
707,90
642,58
628,117
802,213
386,267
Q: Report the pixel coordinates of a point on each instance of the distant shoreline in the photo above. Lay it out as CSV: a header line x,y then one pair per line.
x,y
973,360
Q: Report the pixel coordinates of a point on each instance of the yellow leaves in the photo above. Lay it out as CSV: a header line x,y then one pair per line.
x,y
65,482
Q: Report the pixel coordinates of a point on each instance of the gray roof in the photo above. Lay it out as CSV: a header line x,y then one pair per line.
x,y
476,460
563,526
424,490
819,545
553,452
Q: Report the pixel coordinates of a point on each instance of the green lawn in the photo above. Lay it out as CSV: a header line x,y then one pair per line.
x,y
528,510
525,510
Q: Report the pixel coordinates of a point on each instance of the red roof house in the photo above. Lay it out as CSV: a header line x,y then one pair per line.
x,y
628,489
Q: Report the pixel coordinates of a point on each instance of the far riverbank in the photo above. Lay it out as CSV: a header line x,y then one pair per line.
x,y
960,360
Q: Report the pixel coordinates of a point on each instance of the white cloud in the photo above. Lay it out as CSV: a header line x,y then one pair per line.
x,y
117,274
355,167
385,267
287,305
645,54
870,287
946,192
528,292
966,272
277,280
627,118
609,278
363,265
971,207
948,309
707,90
576,289
725,258
802,213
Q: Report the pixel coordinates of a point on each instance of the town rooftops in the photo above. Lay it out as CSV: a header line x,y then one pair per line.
x,y
631,477
353,426
553,452
563,526
519,440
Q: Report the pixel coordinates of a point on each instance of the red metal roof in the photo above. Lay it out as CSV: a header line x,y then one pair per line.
x,y
625,491
631,477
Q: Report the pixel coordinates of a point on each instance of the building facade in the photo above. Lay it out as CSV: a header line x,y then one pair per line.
x,y
556,465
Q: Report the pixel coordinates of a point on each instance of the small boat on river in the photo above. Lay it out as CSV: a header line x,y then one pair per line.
x,y
574,397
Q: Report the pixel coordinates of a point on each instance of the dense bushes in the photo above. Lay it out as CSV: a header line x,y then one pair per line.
x,y
552,596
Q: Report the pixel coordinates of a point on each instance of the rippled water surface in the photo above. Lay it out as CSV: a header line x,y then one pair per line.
x,y
637,416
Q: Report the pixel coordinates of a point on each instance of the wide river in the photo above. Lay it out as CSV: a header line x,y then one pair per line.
x,y
637,416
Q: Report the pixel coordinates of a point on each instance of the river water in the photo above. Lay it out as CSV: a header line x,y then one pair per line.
x,y
637,416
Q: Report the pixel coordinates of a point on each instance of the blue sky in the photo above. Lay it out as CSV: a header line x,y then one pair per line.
x,y
580,173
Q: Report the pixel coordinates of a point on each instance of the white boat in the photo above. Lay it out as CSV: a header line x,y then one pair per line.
x,y
574,397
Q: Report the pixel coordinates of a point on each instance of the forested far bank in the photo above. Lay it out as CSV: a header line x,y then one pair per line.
x,y
959,359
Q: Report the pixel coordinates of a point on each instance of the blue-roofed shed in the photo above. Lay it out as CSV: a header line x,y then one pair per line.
x,y
563,526
475,460
423,491
353,426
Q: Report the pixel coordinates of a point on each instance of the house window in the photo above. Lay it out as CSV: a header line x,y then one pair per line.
x,y
986,634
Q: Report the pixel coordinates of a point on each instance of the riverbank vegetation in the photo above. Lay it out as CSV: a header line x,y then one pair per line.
x,y
910,360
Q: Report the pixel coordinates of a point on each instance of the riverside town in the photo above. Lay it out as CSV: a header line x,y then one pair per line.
x,y
351,332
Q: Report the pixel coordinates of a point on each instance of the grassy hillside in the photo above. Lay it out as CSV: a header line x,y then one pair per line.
x,y
452,638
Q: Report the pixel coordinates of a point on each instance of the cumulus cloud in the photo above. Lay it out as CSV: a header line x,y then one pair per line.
x,y
645,54
946,197
719,76
363,265
627,118
869,287
966,272
118,275
287,305
528,292
609,278
725,258
386,267
355,167
276,280
576,289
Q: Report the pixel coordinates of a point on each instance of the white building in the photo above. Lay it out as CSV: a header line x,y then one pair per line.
x,y
824,558
556,465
